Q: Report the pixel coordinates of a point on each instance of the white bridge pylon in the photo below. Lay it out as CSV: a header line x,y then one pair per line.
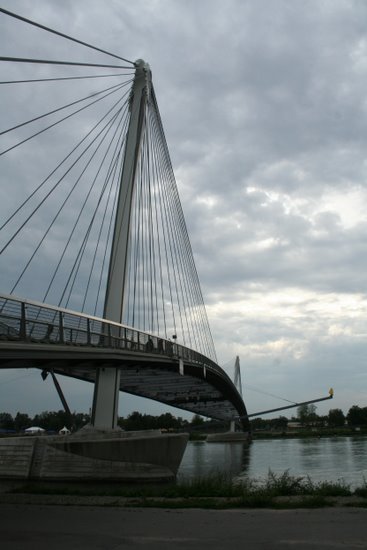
x,y
106,389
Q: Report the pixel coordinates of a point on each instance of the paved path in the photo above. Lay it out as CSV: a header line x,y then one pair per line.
x,y
39,527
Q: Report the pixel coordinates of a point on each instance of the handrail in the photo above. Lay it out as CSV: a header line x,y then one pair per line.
x,y
62,328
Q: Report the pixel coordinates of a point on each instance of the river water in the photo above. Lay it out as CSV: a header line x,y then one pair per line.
x,y
324,459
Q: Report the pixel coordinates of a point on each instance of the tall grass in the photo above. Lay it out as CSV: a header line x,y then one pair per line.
x,y
217,485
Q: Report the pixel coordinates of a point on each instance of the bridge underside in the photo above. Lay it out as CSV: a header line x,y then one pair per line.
x,y
188,386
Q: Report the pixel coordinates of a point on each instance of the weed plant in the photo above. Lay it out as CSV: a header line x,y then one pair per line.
x,y
257,493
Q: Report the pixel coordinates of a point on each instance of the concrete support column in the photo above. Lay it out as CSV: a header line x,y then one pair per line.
x,y
106,389
105,399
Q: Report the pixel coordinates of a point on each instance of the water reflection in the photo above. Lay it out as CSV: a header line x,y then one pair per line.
x,y
202,458
322,459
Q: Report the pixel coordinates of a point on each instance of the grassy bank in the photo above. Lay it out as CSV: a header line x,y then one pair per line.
x,y
214,491
308,433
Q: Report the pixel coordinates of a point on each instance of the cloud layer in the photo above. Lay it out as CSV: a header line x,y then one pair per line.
x,y
264,109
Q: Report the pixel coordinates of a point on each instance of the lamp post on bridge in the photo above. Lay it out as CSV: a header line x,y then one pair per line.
x,y
107,385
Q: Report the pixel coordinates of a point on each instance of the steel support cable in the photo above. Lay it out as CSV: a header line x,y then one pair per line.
x,y
56,216
132,256
7,59
160,303
86,77
165,235
119,86
58,33
170,167
133,252
170,177
148,236
124,206
151,280
135,237
116,180
189,282
114,199
108,208
77,263
174,253
172,228
252,388
183,282
195,303
153,249
136,240
60,120
180,282
49,192
141,207
161,221
62,162
141,266
145,279
83,248
166,241
91,187
174,257
129,294
153,286
190,255
183,279
109,178
75,270
159,257
146,240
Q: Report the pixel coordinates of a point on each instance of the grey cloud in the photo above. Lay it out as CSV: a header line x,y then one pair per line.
x,y
264,110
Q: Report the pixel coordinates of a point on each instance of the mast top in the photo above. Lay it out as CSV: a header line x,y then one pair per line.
x,y
142,71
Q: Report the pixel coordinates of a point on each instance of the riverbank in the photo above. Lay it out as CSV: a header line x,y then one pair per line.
x,y
281,491
209,503
306,433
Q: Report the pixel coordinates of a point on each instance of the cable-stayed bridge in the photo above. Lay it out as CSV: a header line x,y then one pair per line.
x,y
92,234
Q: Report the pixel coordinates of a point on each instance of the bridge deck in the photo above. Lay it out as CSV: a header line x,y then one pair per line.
x,y
33,335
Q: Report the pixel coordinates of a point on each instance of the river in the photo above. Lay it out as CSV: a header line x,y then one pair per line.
x,y
324,459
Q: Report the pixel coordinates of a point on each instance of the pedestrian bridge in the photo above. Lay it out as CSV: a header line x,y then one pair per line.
x,y
35,335
95,226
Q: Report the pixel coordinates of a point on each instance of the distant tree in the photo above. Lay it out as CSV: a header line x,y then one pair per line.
x,y
22,422
197,420
80,420
168,421
279,423
182,422
6,421
135,421
357,416
259,424
336,417
307,414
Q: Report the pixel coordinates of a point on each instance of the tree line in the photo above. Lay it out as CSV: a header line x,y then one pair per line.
x,y
306,414
54,421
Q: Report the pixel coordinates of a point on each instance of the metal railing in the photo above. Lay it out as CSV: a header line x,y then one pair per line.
x,y
33,322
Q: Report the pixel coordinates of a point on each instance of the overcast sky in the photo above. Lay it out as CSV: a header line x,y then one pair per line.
x,y
264,106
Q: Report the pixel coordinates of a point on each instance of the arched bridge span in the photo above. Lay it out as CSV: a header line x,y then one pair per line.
x,y
34,335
